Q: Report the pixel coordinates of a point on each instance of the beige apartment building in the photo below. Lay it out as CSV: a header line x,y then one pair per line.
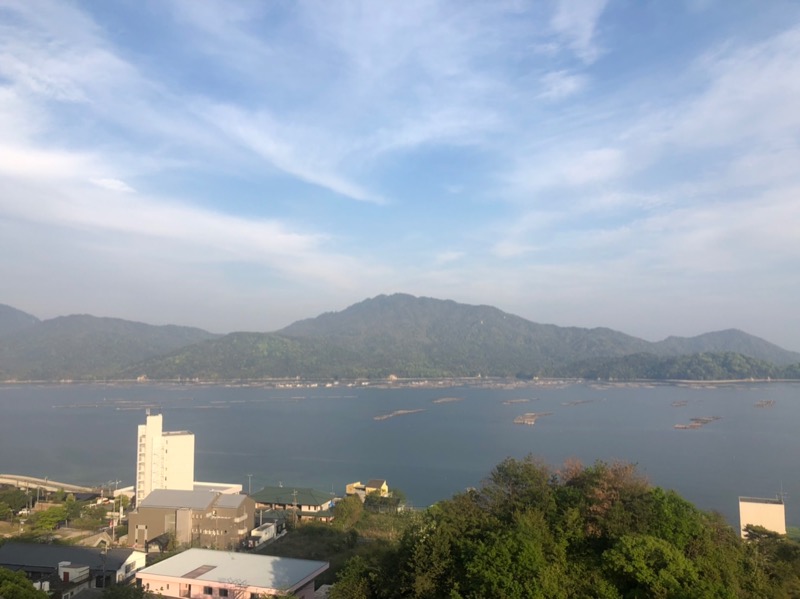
x,y
769,513
164,459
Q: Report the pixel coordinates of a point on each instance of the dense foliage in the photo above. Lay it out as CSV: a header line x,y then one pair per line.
x,y
86,347
15,585
695,367
600,531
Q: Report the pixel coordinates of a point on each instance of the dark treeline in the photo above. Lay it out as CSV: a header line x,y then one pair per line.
x,y
694,367
600,531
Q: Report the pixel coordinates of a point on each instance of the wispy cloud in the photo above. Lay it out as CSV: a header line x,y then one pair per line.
x,y
576,22
486,145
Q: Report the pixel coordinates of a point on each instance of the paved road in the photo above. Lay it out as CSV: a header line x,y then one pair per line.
x,y
31,482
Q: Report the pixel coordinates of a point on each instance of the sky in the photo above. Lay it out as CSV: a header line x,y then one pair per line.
x,y
631,164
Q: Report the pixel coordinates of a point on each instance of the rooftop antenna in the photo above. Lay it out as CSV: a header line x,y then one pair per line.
x,y
783,494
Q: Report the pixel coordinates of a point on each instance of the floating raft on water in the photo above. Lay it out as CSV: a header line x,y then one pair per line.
x,y
696,423
530,418
447,399
397,413
765,403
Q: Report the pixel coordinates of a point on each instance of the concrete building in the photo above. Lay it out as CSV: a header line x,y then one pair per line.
x,y
196,518
207,574
164,460
769,513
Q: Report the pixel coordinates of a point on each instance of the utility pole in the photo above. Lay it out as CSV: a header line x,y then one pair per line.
x,y
249,484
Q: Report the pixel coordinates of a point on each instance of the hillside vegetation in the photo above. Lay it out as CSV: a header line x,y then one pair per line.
x,y
601,531
398,335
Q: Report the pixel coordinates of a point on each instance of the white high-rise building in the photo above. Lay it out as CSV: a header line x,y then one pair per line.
x,y
164,460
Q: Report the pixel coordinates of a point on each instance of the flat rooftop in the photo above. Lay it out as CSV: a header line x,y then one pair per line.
x,y
774,501
264,571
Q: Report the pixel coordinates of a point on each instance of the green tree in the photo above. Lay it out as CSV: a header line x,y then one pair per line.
x,y
48,519
15,585
600,531
16,499
355,581
347,512
646,566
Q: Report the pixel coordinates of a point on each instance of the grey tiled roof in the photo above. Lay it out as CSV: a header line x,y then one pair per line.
x,y
169,498
40,556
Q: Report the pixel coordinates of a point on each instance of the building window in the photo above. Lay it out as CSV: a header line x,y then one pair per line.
x,y
223,592
255,596
206,590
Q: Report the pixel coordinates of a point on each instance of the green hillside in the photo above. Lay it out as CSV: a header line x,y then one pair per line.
x,y
86,347
399,335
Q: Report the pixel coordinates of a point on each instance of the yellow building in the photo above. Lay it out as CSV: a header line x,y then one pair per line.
x,y
376,486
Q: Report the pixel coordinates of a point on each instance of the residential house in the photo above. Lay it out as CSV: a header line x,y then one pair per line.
x,y
375,486
208,574
69,568
303,503
195,518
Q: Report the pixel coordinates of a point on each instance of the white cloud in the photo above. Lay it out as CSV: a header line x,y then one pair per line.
x,y
542,171
558,85
448,256
576,22
112,184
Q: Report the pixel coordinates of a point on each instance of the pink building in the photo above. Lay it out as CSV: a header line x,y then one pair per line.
x,y
209,574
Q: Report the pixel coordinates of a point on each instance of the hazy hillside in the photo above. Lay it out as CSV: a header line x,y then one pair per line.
x,y
77,347
730,340
387,335
422,337
12,320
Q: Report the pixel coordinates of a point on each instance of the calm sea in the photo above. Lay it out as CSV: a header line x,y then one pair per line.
x,y
325,438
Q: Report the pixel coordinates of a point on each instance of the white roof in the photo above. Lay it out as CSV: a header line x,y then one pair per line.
x,y
252,570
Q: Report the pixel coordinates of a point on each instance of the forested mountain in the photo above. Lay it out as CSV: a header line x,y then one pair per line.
x,y
731,340
397,335
13,320
86,347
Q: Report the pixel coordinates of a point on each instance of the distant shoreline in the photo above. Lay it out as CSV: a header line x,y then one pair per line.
x,y
398,383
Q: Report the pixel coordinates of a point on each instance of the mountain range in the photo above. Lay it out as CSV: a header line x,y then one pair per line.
x,y
398,335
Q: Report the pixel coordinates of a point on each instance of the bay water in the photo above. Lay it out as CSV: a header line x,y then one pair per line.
x,y
442,441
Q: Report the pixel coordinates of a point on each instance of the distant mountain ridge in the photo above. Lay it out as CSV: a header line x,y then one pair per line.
x,y
85,347
397,334
13,320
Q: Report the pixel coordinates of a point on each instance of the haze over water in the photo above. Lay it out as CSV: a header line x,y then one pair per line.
x,y
327,437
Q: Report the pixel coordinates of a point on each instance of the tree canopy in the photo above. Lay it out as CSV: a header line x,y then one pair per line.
x,y
597,531
15,585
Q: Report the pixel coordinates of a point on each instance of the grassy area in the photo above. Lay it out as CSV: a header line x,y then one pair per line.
x,y
328,542
8,529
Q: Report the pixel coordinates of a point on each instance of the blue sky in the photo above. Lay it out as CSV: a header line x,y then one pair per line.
x,y
240,165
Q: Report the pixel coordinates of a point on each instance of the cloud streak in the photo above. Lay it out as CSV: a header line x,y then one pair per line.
x,y
535,155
